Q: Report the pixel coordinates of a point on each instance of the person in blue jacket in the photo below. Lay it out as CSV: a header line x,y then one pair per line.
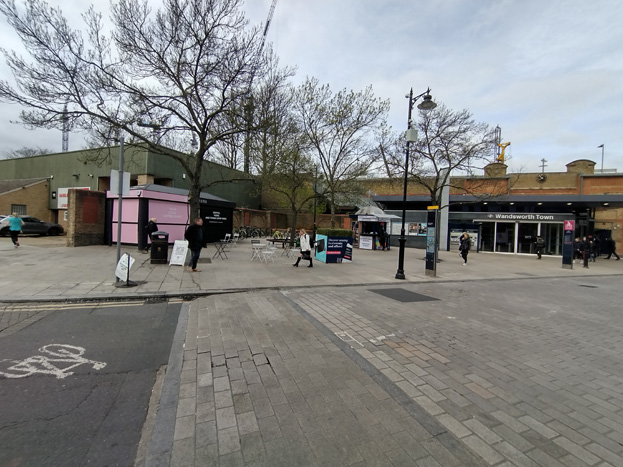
x,y
15,227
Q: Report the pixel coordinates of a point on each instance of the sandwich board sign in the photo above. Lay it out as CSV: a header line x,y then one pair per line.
x,y
178,255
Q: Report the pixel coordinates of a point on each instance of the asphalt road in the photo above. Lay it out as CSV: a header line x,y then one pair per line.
x,y
75,383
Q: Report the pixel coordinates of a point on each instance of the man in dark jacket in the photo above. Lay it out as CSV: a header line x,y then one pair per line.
x,y
586,250
150,228
539,245
611,247
194,235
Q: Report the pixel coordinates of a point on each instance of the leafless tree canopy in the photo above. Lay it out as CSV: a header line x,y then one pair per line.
x,y
25,152
339,128
447,140
183,69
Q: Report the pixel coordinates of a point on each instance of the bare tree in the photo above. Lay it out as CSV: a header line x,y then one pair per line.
x,y
339,127
388,145
183,70
24,152
448,142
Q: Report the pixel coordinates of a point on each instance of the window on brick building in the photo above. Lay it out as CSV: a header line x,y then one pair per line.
x,y
20,209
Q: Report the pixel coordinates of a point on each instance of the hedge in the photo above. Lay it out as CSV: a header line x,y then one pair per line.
x,y
335,232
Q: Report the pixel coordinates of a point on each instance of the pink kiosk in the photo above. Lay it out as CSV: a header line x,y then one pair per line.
x,y
170,207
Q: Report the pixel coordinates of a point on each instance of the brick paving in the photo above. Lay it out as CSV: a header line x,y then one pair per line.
x,y
524,373
345,376
263,387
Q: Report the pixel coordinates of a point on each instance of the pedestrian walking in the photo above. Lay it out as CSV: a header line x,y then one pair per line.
x,y
586,251
195,236
305,249
596,247
577,249
150,228
539,245
15,227
611,247
382,237
465,243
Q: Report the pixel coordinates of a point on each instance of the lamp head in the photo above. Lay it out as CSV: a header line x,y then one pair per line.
x,y
427,102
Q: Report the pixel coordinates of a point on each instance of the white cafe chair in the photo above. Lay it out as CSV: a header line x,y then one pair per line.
x,y
268,253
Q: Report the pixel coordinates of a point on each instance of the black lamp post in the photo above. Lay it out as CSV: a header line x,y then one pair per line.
x,y
411,136
315,196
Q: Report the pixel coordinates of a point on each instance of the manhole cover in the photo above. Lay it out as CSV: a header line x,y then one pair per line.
x,y
403,295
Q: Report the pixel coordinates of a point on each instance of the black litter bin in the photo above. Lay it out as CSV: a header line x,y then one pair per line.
x,y
159,247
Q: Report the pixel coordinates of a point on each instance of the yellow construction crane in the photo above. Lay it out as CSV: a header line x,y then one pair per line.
x,y
500,157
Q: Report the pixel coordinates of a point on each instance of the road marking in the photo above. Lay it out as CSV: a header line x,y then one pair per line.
x,y
343,335
41,364
380,339
10,308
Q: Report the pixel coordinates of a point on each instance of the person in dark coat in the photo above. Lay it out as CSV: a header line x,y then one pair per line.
x,y
577,249
382,237
611,248
539,245
586,250
465,243
150,228
194,236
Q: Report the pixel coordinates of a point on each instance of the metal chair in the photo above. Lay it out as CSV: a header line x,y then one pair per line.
x,y
268,253
256,248
234,239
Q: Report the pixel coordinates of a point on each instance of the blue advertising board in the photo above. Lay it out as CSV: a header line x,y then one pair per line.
x,y
334,249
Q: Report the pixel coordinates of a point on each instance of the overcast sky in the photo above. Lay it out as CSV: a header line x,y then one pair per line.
x,y
549,73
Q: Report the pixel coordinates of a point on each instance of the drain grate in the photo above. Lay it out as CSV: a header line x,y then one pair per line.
x,y
402,295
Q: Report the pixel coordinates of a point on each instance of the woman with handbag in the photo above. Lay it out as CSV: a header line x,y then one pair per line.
x,y
305,249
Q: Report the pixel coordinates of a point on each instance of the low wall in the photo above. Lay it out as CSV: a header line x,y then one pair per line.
x,y
86,217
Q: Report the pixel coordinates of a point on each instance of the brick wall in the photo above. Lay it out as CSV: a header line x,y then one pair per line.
x,y
86,217
281,220
35,197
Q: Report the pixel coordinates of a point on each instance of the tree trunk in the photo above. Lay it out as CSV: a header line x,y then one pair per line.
x,y
294,218
332,205
194,200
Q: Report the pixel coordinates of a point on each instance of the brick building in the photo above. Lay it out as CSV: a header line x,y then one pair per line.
x,y
26,196
505,212
90,169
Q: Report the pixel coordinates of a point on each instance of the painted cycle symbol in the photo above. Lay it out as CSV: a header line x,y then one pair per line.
x,y
61,360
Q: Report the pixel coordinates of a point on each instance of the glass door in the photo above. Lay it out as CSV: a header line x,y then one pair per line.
x,y
527,237
505,237
487,235
552,234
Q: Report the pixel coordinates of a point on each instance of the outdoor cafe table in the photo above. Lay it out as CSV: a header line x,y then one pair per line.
x,y
283,241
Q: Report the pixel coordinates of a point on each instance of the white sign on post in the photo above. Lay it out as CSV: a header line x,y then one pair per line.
x,y
114,183
178,255
122,267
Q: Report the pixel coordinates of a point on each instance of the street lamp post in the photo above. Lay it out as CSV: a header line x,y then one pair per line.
x,y
602,157
411,136
315,196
